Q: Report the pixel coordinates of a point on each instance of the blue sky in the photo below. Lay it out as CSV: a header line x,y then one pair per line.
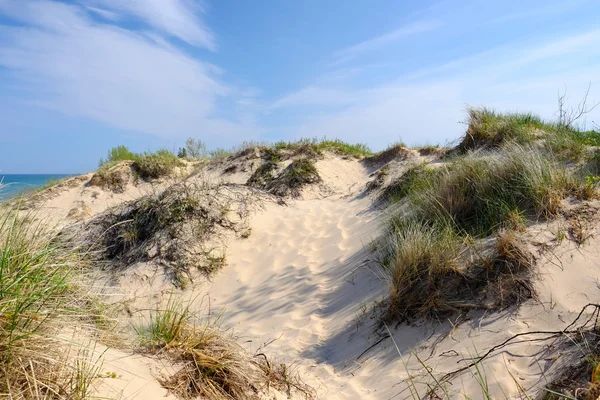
x,y
78,77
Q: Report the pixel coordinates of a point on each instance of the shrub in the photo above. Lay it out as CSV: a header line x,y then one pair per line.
x,y
195,148
263,175
155,165
119,153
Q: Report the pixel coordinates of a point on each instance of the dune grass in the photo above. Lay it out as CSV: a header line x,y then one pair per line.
x,y
435,264
211,364
479,192
319,146
489,129
36,297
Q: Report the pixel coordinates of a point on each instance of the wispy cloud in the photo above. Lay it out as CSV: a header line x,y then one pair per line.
x,y
314,96
415,28
425,105
177,18
61,58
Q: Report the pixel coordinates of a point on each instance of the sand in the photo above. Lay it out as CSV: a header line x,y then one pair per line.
x,y
304,286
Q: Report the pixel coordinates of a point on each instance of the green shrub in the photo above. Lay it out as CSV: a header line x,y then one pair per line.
x,y
156,165
119,153
195,148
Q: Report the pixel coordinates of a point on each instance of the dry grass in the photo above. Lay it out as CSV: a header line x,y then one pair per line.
x,y
181,228
294,177
210,363
114,177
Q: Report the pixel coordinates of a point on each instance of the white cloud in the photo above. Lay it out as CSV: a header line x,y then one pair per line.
x,y
314,96
177,18
425,106
63,60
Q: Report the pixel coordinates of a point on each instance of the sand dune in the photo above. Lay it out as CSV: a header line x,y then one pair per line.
x,y
304,287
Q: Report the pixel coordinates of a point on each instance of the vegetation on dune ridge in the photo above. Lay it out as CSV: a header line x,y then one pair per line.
x,y
489,129
454,241
147,166
508,168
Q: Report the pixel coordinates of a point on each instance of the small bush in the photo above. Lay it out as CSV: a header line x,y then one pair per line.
x,y
263,175
195,148
116,154
156,165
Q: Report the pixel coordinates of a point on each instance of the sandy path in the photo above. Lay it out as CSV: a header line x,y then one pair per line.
x,y
292,281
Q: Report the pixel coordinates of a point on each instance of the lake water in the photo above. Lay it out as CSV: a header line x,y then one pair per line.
x,y
12,185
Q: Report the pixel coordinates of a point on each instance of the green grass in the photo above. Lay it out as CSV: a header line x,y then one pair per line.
x,y
447,208
477,193
414,179
489,129
147,165
318,146
36,297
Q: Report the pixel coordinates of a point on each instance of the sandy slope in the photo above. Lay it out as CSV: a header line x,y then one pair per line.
x,y
303,288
